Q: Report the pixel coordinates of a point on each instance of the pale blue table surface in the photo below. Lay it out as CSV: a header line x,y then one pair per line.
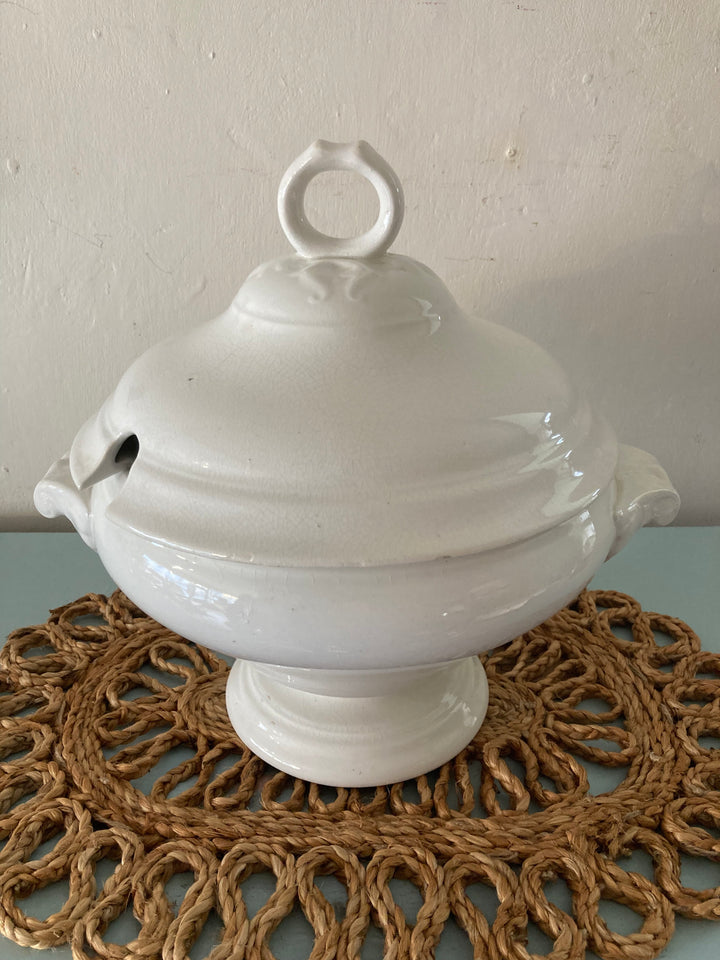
x,y
674,571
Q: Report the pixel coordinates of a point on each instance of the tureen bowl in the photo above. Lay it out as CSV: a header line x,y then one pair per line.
x,y
351,488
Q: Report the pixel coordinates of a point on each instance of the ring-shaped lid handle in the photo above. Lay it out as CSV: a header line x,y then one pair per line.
x,y
360,158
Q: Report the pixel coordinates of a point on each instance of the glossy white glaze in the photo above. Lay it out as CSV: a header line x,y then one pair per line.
x,y
396,615
424,719
360,158
645,496
345,473
362,437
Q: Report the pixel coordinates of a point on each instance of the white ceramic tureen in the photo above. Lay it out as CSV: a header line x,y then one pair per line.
x,y
353,488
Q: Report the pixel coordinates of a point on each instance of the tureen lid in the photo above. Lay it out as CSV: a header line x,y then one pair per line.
x,y
344,411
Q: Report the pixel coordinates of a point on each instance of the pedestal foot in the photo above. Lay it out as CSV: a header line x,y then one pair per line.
x,y
357,728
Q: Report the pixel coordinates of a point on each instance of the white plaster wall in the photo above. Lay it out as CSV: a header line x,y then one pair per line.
x,y
561,162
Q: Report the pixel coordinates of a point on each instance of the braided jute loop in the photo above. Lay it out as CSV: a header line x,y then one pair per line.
x,y
122,779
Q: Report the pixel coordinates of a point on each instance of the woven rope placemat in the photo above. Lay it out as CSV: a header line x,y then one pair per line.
x,y
89,712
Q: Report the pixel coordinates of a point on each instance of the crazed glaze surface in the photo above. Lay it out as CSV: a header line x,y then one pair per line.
x,y
348,478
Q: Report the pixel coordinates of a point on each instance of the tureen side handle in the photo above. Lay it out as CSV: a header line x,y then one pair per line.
x,y
57,496
644,495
